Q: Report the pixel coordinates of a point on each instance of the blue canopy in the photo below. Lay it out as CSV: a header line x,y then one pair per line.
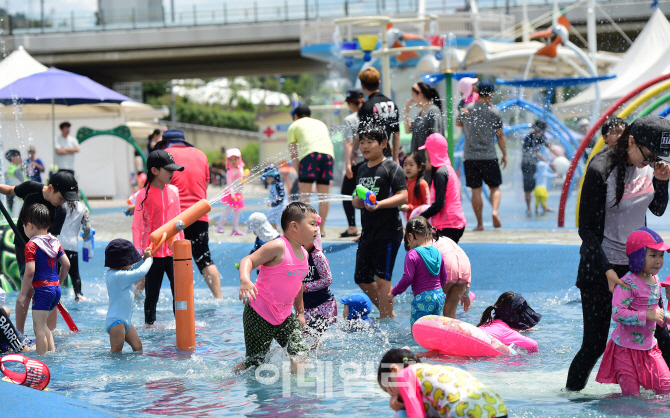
x,y
59,87
435,78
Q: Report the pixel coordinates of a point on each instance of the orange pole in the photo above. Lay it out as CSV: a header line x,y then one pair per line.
x,y
178,223
183,295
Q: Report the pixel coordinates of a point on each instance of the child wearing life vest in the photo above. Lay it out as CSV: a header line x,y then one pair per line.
x,y
283,264
157,203
233,201
429,390
43,252
424,271
512,313
632,357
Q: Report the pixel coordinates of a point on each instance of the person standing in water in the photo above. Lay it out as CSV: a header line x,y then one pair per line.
x,y
620,184
355,100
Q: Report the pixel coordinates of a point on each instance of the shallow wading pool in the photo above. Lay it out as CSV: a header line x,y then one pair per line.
x,y
342,377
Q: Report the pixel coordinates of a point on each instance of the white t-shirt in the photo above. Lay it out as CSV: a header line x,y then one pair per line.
x,y
71,226
65,161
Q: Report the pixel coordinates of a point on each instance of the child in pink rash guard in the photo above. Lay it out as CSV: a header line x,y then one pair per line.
x,y
632,357
512,313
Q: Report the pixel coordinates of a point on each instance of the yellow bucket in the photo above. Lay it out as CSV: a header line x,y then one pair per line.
x,y
368,42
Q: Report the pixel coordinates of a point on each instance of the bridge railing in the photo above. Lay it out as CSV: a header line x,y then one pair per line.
x,y
230,12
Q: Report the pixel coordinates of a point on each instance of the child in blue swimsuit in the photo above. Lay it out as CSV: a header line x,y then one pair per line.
x,y
126,267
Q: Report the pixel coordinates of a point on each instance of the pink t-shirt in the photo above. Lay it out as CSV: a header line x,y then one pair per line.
x,y
279,285
455,260
507,335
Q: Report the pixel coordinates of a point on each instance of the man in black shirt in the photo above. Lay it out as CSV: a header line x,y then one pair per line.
x,y
62,188
382,226
378,110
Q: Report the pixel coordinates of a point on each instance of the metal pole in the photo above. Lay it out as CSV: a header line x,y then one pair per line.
x,y
306,9
256,12
195,16
42,14
450,115
53,131
525,25
173,113
421,5
285,9
133,18
172,9
591,33
72,20
386,66
225,14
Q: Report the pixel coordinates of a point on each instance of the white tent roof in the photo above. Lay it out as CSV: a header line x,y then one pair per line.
x,y
17,65
647,58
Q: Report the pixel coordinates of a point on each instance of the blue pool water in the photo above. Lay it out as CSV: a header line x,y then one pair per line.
x,y
162,381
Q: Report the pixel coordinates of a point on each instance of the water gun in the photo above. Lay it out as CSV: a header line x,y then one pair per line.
x,y
88,245
366,195
131,202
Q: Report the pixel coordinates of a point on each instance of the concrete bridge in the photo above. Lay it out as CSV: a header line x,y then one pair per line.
x,y
264,40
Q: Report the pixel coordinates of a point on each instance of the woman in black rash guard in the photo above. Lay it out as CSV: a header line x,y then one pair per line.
x,y
620,184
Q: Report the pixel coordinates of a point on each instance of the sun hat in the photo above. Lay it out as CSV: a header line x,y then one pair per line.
x,y
437,148
518,314
120,253
259,225
636,246
172,137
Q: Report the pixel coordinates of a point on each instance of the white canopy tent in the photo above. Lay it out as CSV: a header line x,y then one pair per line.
x,y
17,65
647,58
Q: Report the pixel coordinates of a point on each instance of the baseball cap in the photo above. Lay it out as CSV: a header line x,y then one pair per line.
x,y
645,238
486,86
354,95
654,133
162,159
359,304
438,149
301,111
65,183
121,252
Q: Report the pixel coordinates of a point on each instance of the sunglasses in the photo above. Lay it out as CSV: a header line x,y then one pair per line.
x,y
651,160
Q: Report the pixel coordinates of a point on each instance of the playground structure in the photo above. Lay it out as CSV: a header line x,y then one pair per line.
x,y
646,91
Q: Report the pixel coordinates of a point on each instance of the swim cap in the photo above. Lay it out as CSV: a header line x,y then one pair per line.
x,y
518,314
359,304
637,244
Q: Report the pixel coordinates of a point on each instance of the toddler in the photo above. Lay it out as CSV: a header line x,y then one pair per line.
x,y
355,312
277,201
126,267
76,218
259,225
418,192
632,357
512,313
43,252
233,201
459,276
424,270
427,390
543,177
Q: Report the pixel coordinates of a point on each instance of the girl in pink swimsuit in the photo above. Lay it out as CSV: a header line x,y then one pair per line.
x,y
512,313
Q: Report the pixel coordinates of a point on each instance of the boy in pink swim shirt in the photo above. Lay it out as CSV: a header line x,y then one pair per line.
x,y
283,265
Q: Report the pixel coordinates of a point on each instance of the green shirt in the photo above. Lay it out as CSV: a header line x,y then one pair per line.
x,y
311,135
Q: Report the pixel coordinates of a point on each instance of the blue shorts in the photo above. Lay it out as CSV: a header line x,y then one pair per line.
x,y
427,303
125,324
46,298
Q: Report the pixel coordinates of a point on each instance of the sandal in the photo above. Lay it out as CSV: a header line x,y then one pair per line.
x,y
346,234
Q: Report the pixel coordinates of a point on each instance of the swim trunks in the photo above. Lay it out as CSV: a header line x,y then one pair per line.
x,y
427,303
376,258
259,333
46,298
316,167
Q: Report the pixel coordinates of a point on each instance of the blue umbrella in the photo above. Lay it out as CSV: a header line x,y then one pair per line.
x,y
60,87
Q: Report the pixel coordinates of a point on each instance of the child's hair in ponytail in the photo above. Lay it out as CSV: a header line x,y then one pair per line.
x,y
421,164
395,356
419,227
147,185
504,300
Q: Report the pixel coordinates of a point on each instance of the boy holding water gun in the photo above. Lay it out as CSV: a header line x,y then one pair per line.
x,y
382,233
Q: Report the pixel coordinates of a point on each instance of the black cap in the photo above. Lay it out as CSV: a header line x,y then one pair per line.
x,y
162,159
354,95
301,111
11,154
65,183
486,87
120,253
654,133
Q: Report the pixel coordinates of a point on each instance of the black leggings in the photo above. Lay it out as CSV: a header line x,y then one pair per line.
x,y
348,187
597,314
153,282
73,256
